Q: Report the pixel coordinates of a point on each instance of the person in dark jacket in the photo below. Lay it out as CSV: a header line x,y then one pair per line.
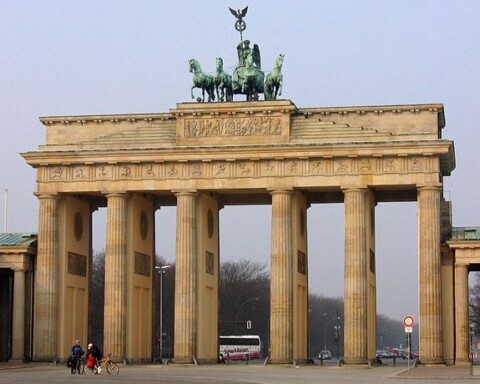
x,y
76,354
94,351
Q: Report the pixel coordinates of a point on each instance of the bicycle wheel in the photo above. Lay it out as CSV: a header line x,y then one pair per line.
x,y
80,367
89,371
112,368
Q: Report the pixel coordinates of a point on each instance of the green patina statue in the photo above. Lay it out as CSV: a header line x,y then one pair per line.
x,y
201,80
274,80
222,82
247,79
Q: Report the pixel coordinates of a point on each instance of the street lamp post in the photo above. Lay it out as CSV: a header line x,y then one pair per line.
x,y
161,270
336,318
470,348
238,311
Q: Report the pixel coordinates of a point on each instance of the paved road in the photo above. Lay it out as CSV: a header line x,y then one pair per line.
x,y
239,374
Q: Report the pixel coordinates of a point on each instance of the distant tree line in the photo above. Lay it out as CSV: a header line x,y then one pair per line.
x,y
475,306
244,308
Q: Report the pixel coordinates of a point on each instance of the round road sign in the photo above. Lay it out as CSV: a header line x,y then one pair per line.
x,y
408,321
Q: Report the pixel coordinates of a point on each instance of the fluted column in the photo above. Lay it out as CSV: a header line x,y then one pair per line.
x,y
462,329
116,276
185,278
46,278
281,290
430,287
356,285
18,320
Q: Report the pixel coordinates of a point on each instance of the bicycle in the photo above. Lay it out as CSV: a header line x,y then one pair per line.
x,y
104,363
80,366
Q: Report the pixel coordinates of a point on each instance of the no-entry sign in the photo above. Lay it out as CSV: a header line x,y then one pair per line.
x,y
408,321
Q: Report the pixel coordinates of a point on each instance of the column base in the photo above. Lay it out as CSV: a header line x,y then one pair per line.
x,y
463,363
280,361
182,360
355,361
432,362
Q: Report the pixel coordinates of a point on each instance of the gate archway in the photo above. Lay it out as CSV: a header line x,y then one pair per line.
x,y
200,157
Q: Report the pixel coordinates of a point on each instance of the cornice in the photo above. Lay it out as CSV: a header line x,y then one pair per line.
x,y
264,107
209,153
99,119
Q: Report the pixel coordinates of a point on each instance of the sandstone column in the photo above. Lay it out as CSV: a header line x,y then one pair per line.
x,y
46,305
185,278
281,291
430,295
461,315
116,276
18,321
355,297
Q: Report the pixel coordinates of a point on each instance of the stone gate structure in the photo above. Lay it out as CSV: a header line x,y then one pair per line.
x,y
202,156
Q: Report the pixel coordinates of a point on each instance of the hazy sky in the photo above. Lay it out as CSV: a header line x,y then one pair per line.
x,y
105,57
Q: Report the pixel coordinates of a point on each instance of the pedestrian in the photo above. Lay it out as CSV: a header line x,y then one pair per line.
x,y
76,354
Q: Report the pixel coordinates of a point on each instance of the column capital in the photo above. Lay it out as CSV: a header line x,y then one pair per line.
x,y
115,193
354,188
185,192
273,191
47,195
430,187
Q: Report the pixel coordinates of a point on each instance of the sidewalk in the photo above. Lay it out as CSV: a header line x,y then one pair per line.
x,y
421,373
441,373
20,365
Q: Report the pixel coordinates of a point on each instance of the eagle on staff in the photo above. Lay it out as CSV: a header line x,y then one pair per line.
x,y
240,25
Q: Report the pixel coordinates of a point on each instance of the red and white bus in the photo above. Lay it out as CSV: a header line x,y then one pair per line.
x,y
245,347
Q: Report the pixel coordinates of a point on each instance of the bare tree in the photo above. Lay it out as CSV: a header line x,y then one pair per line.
x,y
474,304
97,299
244,297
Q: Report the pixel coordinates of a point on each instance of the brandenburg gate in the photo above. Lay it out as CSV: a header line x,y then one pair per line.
x,y
203,156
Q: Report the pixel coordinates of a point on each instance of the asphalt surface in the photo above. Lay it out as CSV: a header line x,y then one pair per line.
x,y
241,373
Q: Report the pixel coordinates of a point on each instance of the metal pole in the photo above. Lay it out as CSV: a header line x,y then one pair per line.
x,y
409,351
161,271
337,318
5,212
161,315
238,311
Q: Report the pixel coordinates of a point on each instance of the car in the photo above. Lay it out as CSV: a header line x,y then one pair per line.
x,y
325,355
382,354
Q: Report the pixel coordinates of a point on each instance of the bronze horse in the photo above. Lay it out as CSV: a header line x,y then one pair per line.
x,y
201,80
274,80
222,82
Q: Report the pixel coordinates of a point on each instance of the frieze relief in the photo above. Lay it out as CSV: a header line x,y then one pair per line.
x,y
58,173
80,173
104,172
238,126
240,169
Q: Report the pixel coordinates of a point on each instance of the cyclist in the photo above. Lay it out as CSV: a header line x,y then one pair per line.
x,y
93,354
